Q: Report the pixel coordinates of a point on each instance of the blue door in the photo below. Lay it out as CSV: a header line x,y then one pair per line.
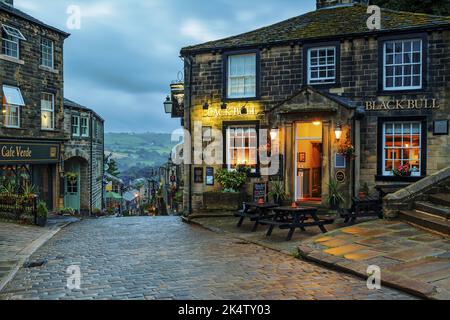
x,y
72,196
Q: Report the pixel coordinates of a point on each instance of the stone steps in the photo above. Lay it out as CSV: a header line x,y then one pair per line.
x,y
433,209
442,199
426,220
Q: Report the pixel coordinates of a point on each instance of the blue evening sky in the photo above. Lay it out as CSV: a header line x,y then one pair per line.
x,y
126,53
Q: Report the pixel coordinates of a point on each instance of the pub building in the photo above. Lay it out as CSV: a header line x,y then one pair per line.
x,y
31,90
346,103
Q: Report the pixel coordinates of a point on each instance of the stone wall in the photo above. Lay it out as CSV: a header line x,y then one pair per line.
x,y
32,79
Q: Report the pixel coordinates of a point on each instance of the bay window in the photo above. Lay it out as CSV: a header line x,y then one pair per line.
x,y
241,76
242,147
402,148
403,69
47,111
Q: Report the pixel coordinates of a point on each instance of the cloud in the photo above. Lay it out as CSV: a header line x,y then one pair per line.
x,y
126,54
197,31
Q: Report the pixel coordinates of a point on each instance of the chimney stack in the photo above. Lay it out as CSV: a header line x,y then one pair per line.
x,y
330,3
9,2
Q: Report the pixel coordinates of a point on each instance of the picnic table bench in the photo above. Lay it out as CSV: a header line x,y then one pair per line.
x,y
255,212
295,218
367,207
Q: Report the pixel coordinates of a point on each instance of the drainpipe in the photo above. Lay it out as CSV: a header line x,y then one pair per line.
x,y
91,167
189,61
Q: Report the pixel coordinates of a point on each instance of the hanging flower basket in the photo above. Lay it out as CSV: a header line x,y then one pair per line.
x,y
348,151
72,177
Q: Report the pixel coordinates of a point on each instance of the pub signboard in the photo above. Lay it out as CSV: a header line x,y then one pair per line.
x,y
29,152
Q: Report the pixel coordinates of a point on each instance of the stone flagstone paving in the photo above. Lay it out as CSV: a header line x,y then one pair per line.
x,y
163,258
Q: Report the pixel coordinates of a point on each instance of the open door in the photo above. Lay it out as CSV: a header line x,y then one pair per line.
x,y
308,161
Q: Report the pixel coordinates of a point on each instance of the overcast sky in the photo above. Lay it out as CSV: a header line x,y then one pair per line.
x,y
122,60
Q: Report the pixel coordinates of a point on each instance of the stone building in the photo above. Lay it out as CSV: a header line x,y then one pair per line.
x,y
338,100
83,159
32,91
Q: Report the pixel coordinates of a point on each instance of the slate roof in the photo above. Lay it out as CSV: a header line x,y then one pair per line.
x,y
20,14
72,104
326,23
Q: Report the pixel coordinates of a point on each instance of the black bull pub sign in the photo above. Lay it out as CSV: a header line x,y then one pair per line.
x,y
29,152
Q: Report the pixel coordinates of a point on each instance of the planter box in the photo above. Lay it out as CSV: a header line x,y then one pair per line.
x,y
218,201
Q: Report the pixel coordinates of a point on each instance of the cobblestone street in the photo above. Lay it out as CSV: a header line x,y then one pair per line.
x,y
162,258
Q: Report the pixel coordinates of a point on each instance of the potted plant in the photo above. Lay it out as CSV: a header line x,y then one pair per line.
x,y
42,214
277,192
231,181
364,192
335,197
403,171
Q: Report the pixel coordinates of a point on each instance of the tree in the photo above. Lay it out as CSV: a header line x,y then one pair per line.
x,y
113,168
436,7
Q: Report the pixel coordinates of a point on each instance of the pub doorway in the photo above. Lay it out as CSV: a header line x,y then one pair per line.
x,y
308,161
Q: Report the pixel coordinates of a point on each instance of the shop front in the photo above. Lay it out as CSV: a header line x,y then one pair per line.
x,y
32,163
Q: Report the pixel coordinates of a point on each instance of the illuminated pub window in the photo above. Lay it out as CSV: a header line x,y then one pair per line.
x,y
402,143
242,147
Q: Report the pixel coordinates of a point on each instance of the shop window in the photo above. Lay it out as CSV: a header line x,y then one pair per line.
x,y
84,126
322,65
11,41
242,147
403,68
48,111
402,148
47,53
241,76
75,126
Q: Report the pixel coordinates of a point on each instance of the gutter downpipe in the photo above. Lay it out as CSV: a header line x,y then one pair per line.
x,y
189,61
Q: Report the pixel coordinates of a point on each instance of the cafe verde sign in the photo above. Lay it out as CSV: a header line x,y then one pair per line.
x,y
32,152
421,104
229,112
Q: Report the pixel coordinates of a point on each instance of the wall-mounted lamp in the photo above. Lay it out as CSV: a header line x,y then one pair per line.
x,y
274,133
317,123
168,105
206,106
338,131
223,106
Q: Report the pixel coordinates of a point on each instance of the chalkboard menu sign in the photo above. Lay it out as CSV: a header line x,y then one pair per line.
x,y
260,191
198,175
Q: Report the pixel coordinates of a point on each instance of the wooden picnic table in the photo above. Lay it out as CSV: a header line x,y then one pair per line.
x,y
255,212
363,207
293,218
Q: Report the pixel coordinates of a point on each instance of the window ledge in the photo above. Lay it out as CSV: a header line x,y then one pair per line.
x,y
398,179
11,59
14,128
52,70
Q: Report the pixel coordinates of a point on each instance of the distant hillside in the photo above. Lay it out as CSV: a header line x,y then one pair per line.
x,y
138,149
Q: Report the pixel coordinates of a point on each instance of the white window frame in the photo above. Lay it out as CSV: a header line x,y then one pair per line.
x,y
231,145
417,173
9,41
50,57
51,109
248,80
13,32
8,118
77,126
84,118
322,80
402,65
